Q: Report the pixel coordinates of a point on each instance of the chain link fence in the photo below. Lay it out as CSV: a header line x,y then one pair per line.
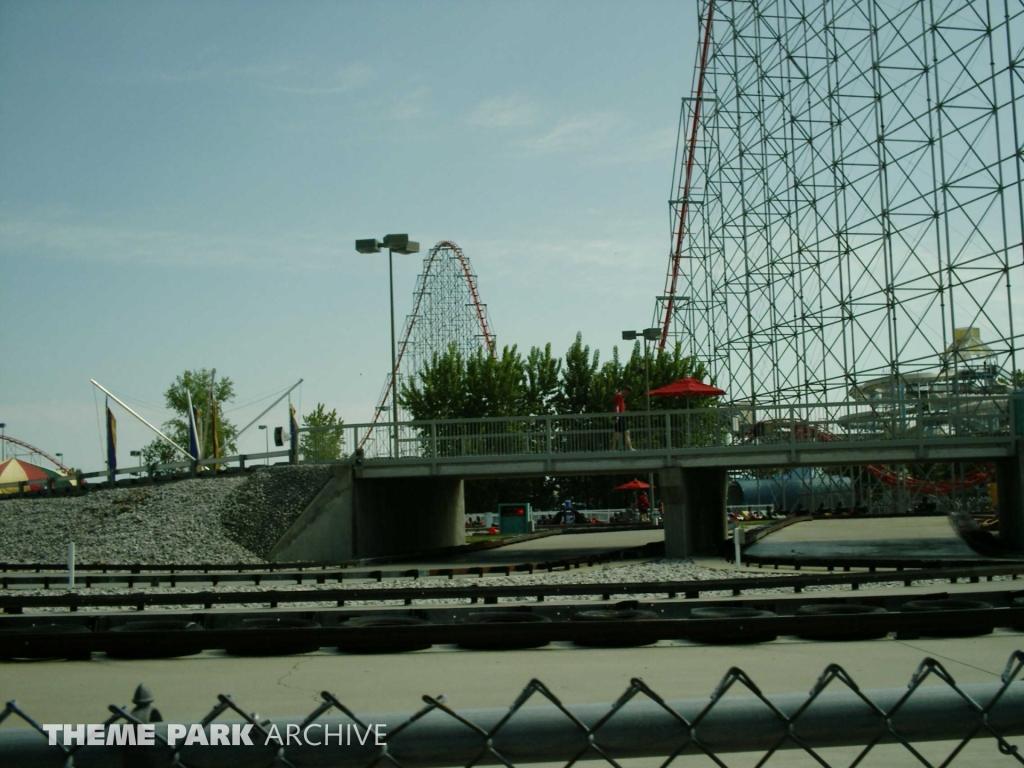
x,y
539,728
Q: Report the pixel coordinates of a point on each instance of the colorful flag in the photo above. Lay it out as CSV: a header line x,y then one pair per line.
x,y
111,438
213,428
294,434
193,432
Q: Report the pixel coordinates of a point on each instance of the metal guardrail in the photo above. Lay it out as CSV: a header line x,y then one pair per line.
x,y
739,426
150,472
836,712
940,420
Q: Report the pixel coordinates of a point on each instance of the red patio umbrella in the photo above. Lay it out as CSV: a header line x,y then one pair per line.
x,y
687,388
633,485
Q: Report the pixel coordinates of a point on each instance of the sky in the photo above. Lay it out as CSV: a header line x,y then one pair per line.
x,y
182,184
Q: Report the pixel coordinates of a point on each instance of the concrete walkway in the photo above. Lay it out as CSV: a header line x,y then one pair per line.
x,y
274,687
561,547
931,537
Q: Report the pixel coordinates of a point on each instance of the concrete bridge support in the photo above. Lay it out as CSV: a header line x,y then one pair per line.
x,y
695,505
354,518
1010,489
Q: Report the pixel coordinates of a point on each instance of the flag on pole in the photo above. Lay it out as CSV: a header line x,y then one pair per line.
x,y
193,432
213,428
294,434
111,438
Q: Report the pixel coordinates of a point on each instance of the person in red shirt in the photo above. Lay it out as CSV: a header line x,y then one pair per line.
x,y
643,506
619,406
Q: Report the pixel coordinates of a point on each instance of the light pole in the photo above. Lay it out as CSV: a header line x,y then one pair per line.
x,y
3,443
266,443
398,244
649,334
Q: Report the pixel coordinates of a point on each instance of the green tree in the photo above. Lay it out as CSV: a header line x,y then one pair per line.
x,y
578,375
451,386
197,384
495,386
439,390
541,385
325,445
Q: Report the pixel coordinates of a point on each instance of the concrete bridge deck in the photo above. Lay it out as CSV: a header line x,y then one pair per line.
x,y
421,465
728,456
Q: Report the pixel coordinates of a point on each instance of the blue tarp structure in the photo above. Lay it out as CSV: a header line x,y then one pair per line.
x,y
807,488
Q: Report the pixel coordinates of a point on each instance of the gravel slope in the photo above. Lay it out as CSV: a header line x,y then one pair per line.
x,y
258,513
223,520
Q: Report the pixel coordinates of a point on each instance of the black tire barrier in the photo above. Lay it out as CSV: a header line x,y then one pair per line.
x,y
44,629
271,646
841,609
393,644
951,604
625,615
149,635
504,643
614,614
744,634
729,612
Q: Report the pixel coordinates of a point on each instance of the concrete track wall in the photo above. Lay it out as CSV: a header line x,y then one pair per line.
x,y
324,530
354,518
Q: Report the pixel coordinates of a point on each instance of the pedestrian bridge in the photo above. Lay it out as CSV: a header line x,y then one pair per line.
x,y
399,486
730,437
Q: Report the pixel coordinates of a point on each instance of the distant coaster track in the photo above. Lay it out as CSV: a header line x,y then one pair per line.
x,y
33,449
446,267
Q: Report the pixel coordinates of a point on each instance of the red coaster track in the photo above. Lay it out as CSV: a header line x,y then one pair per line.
x,y
479,312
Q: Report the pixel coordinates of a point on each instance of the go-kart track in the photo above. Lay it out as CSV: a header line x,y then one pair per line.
x,y
361,609
477,624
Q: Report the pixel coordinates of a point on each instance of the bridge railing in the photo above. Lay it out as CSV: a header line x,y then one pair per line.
x,y
672,431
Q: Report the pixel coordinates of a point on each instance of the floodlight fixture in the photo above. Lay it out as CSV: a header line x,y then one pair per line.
x,y
368,246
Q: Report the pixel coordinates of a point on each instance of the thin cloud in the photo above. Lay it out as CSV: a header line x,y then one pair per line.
x,y
284,78
654,146
584,132
416,102
503,112
63,238
348,79
211,73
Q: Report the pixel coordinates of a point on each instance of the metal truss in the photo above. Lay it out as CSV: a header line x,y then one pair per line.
x,y
446,311
848,216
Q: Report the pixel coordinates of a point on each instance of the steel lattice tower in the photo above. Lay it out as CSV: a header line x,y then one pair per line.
x,y
849,211
446,311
